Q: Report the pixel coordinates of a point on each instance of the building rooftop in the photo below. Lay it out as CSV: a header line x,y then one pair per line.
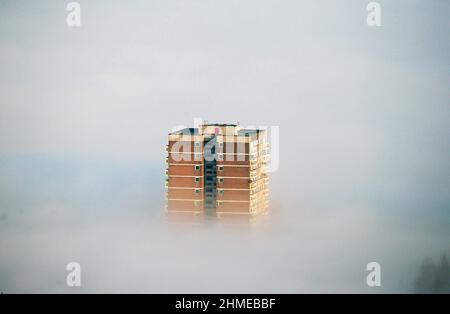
x,y
218,128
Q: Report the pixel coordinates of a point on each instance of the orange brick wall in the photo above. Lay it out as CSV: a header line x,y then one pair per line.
x,y
234,172
233,207
185,170
184,182
184,205
234,183
235,162
184,194
234,195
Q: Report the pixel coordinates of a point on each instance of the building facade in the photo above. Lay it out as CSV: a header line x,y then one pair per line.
x,y
217,170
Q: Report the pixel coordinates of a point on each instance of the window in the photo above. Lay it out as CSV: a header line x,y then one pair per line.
x,y
197,191
197,144
197,167
220,192
220,180
197,179
220,203
220,168
219,156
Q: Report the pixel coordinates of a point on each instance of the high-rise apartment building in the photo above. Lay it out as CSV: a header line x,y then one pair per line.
x,y
217,170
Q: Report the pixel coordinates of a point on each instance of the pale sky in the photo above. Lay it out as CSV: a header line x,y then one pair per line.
x,y
363,115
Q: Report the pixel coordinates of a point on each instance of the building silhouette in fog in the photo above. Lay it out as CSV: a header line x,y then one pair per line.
x,y
217,170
